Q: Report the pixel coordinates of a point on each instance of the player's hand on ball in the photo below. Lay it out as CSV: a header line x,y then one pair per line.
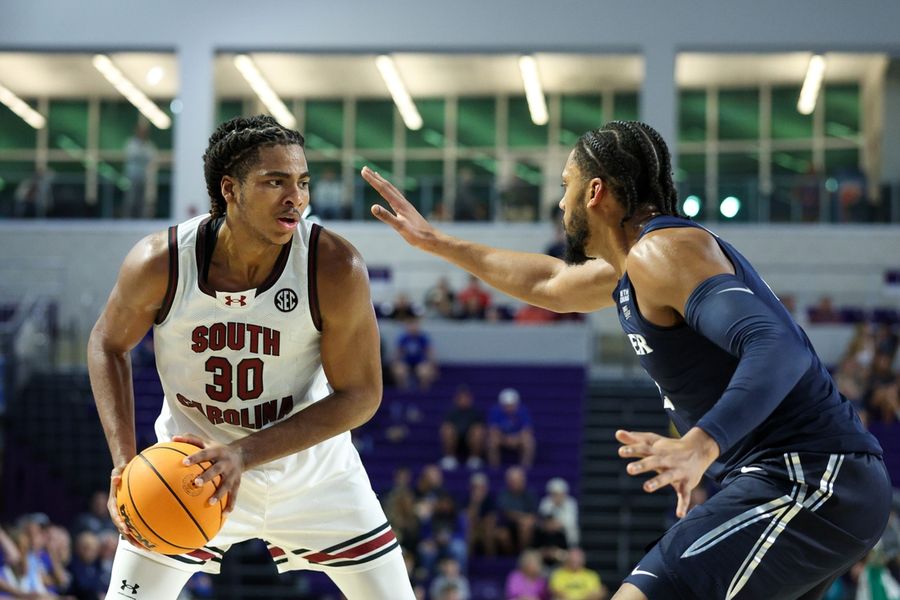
x,y
680,463
226,462
115,482
405,219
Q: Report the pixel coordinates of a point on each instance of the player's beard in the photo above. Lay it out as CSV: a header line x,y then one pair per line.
x,y
577,236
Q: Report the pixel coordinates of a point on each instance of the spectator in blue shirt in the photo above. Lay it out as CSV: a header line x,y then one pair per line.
x,y
510,428
414,357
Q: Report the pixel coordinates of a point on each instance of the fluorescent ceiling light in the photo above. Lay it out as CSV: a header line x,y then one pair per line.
x,y
264,91
811,85
537,105
155,75
18,106
145,105
402,99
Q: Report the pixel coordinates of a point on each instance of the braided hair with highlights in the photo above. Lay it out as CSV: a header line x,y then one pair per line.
x,y
234,148
632,158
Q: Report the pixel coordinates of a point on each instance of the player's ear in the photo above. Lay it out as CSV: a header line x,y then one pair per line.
x,y
229,188
596,188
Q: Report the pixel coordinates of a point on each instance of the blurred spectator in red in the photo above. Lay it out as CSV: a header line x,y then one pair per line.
x,y
528,314
481,512
573,581
824,311
510,428
517,508
526,582
439,300
473,300
463,432
414,356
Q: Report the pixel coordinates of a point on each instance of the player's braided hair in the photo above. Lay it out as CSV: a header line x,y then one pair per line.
x,y
632,158
234,147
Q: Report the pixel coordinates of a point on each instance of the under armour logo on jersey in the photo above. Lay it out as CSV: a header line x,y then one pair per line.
x,y
236,300
131,588
286,300
639,344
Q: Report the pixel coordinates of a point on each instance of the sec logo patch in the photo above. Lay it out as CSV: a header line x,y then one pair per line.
x,y
286,300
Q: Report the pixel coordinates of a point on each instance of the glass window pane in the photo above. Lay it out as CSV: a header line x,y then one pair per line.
x,y
739,179
327,190
364,195
324,125
68,191
795,187
844,160
522,195
690,180
692,116
375,124
17,197
787,122
477,122
16,134
846,187
476,192
229,109
67,125
424,185
739,114
432,133
118,121
578,115
625,106
522,130
842,108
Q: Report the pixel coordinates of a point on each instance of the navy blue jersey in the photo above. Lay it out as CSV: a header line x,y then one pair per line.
x,y
692,373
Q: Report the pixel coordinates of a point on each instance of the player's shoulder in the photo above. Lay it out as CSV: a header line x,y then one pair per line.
x,y
337,258
148,260
664,253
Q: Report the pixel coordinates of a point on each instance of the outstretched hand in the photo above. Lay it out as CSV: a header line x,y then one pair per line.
x,y
226,462
680,463
405,219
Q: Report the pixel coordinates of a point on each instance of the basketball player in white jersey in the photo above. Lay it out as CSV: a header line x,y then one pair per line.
x,y
268,351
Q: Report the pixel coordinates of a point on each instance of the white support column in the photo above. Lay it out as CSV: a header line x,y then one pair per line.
x,y
659,95
192,128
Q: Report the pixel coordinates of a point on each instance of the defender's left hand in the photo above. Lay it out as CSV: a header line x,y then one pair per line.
x,y
680,463
226,461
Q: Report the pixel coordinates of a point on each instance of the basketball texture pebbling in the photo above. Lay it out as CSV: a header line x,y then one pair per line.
x,y
161,505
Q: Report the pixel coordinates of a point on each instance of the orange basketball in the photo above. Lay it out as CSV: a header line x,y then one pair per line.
x,y
161,505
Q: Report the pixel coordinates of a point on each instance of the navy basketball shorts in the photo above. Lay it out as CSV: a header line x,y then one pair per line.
x,y
780,529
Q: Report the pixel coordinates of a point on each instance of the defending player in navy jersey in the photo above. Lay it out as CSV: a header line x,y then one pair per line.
x,y
268,353
805,492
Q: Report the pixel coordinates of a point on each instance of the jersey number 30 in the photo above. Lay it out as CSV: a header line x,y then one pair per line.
x,y
249,385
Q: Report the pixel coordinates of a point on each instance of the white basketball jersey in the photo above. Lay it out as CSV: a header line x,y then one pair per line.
x,y
232,363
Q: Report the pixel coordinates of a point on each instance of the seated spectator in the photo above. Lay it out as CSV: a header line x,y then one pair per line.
x,y
440,301
109,541
517,508
401,309
86,569
400,509
96,519
443,535
10,559
429,486
824,311
562,507
526,582
44,569
481,512
463,432
557,524
473,300
450,578
414,356
510,428
573,581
